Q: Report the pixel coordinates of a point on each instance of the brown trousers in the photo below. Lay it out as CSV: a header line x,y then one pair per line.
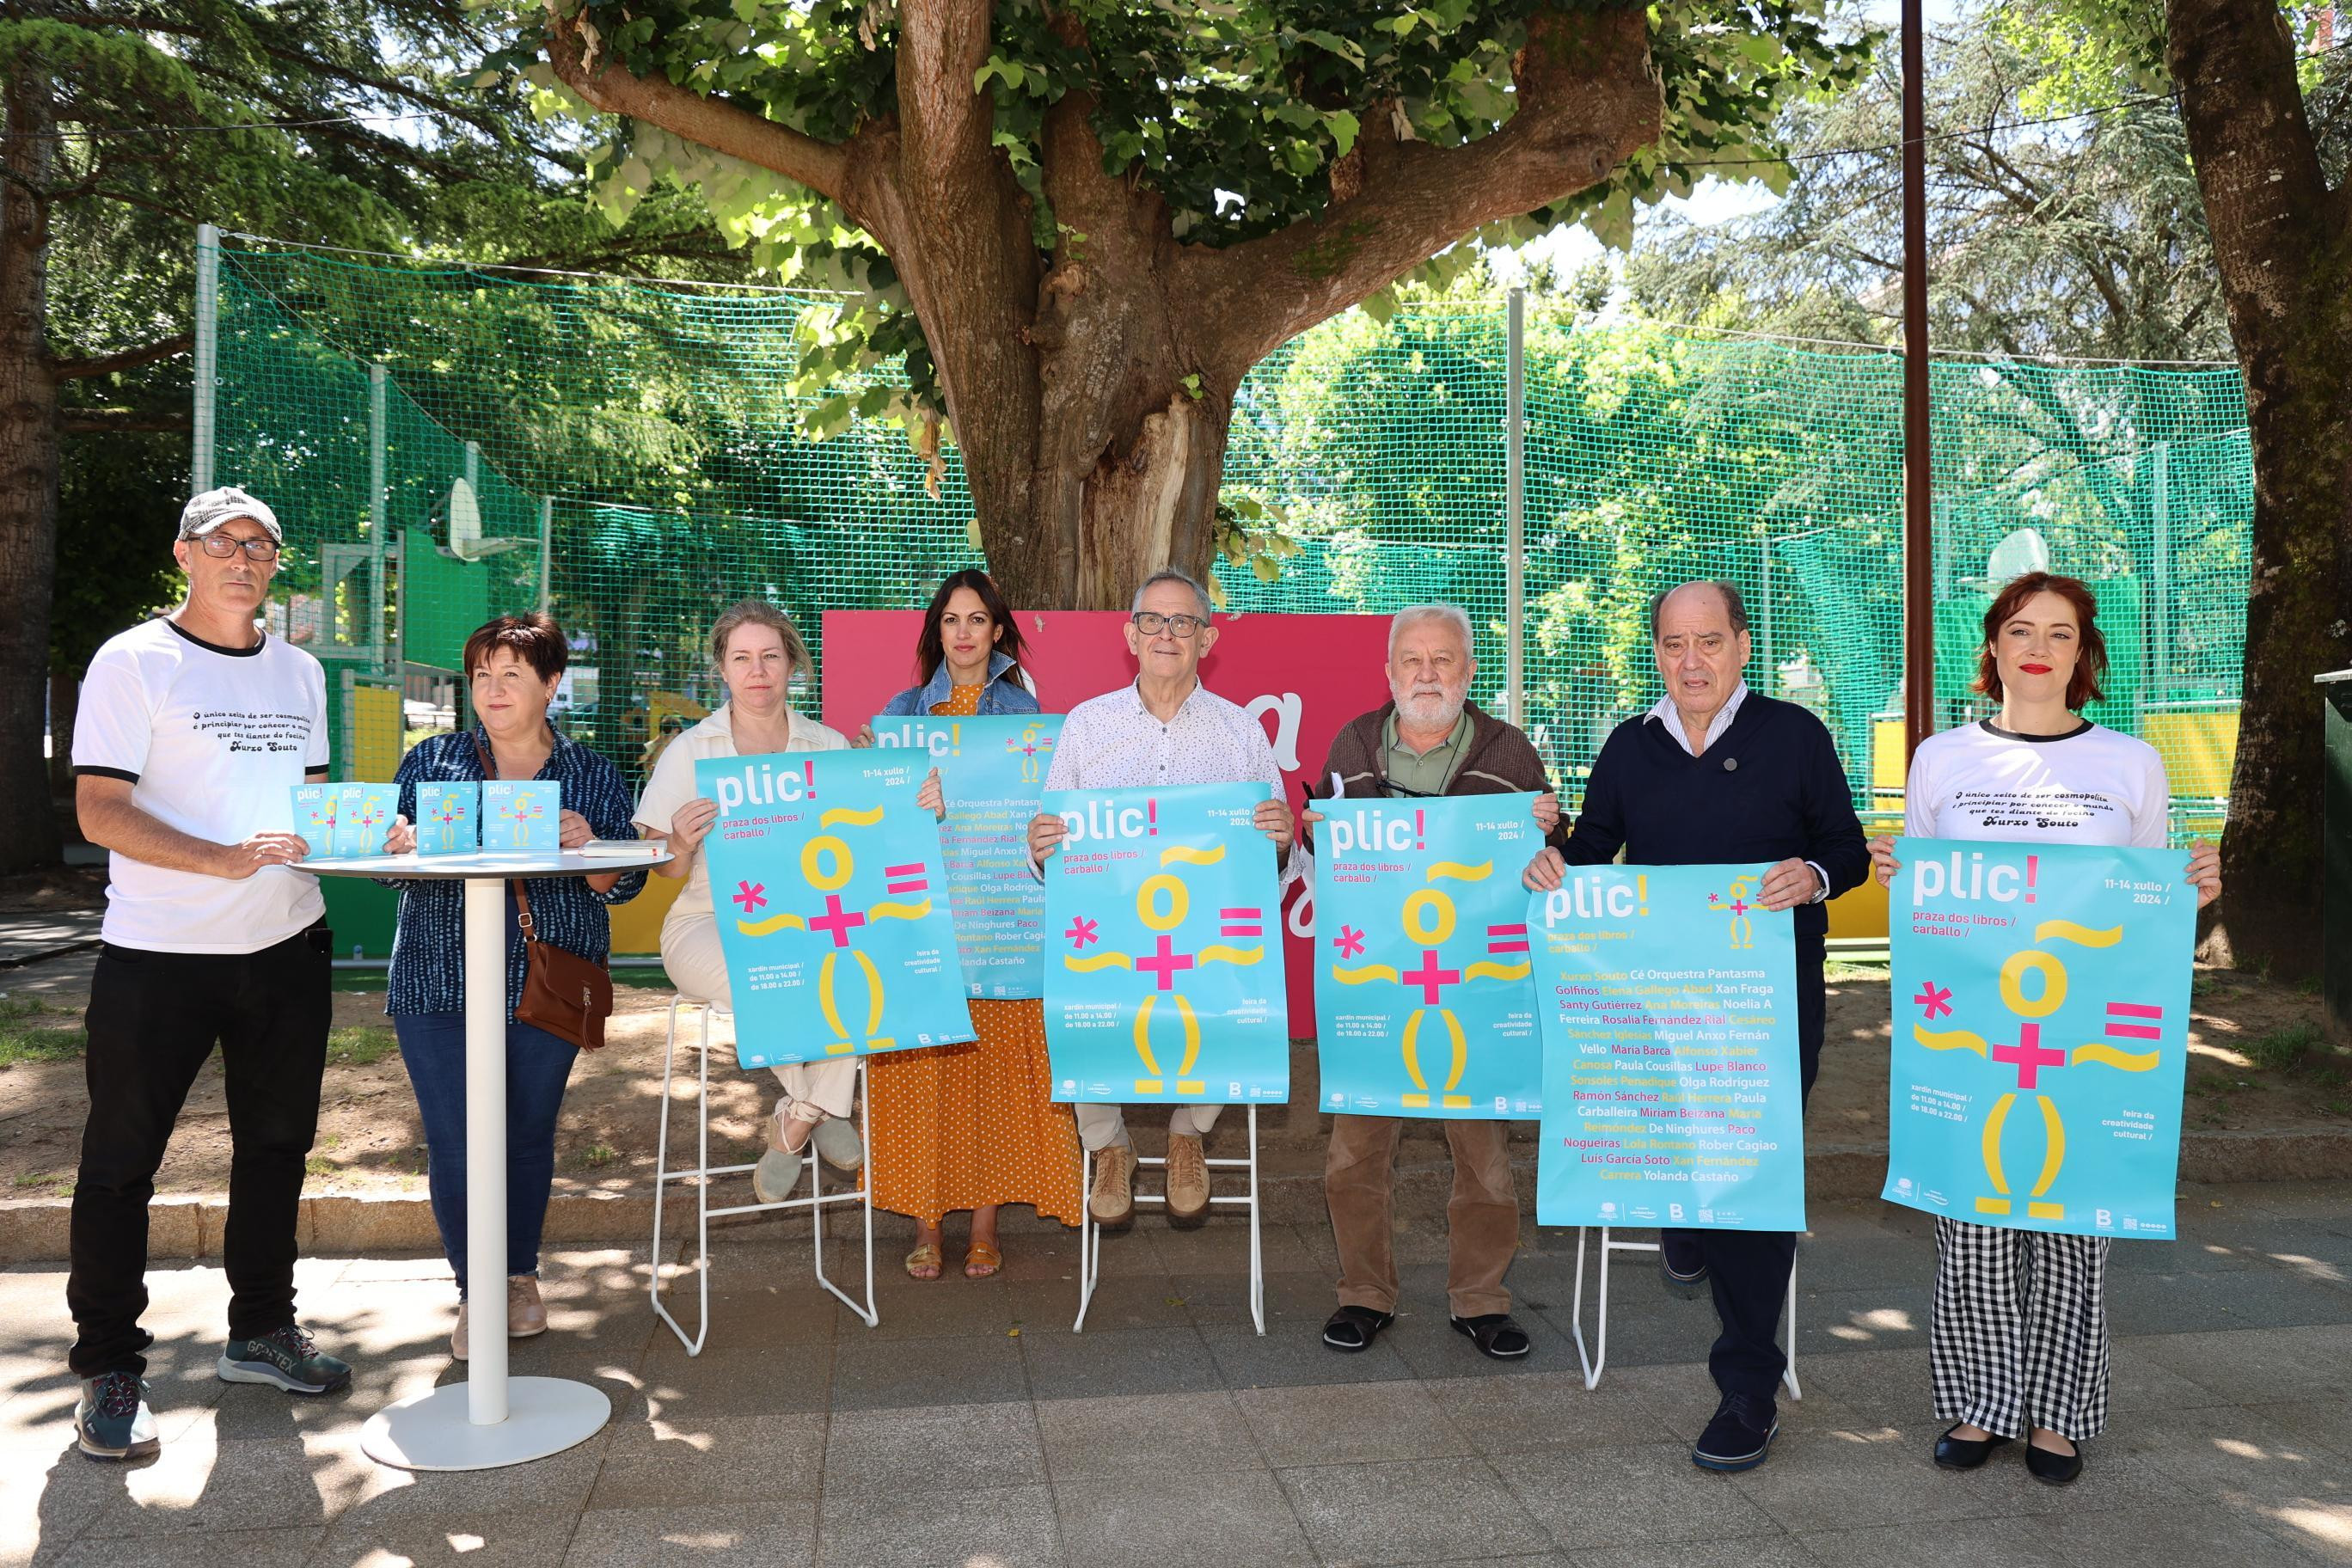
x,y
1482,1218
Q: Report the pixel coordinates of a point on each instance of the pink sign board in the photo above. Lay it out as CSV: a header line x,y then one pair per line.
x,y
1302,677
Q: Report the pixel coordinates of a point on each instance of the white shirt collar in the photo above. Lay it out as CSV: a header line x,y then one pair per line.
x,y
1665,713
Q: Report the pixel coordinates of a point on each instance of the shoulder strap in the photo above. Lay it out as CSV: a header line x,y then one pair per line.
x,y
522,894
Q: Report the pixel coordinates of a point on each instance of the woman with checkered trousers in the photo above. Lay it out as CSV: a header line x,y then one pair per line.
x,y
2018,1335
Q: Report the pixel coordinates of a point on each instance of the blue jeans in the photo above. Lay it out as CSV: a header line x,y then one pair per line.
x,y
538,1065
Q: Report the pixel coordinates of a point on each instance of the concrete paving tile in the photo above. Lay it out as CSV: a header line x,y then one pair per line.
x,y
1432,1347
1884,1387
944,1308
720,1383
1646,1495
874,1375
1347,1424
775,1534
1229,1517
226,1549
198,1485
2016,1542
1128,1301
2236,1456
963,1446
2137,1380
1247,1359
1221,1245
746,1312
45,1506
2258,1368
722,1462
1412,1511
2222,1301
1301,1299
1753,1552
2181,1531
253,1412
1544,1410
1014,1527
1880,1475
1063,1365
1890,1317
519,1538
1135,1436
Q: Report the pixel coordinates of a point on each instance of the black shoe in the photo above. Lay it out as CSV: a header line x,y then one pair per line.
x,y
1740,1436
1353,1328
1965,1453
1494,1334
1681,1263
2055,1469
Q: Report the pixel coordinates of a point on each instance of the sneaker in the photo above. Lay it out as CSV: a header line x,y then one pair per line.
x,y
526,1313
1113,1199
1740,1436
287,1357
111,1420
1681,1263
1188,1177
460,1337
838,1144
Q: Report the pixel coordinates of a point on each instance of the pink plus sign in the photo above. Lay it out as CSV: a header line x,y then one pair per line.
x,y
2029,1055
1431,978
837,921
1166,964
1739,907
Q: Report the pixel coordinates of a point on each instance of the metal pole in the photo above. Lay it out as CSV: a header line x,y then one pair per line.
x,y
1769,684
1919,542
200,455
379,510
1514,546
546,551
2159,672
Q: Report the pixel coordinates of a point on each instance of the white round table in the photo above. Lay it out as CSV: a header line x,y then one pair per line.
x,y
489,1419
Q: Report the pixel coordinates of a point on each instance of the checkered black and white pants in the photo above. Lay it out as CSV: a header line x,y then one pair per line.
x,y
2019,1337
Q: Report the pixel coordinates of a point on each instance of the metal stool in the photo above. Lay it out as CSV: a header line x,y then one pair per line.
x,y
1090,1233
1598,1359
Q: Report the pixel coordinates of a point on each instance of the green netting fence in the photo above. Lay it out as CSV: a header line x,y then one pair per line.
x,y
636,456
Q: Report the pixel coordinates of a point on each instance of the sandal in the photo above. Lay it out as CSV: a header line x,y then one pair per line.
x,y
1353,1328
923,1263
983,1261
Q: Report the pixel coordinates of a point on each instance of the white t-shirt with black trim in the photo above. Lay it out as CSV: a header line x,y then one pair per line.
x,y
2090,786
212,741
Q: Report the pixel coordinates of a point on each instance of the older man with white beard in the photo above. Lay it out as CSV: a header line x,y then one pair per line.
x,y
1429,740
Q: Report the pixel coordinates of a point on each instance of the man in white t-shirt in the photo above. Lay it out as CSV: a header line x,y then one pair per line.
x,y
193,731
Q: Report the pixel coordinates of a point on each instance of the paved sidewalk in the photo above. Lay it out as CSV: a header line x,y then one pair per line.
x,y
973,1427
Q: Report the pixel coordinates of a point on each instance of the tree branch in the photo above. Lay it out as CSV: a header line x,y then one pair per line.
x,y
712,123
1588,98
81,369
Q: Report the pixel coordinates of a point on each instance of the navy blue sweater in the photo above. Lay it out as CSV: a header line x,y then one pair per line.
x,y
1786,797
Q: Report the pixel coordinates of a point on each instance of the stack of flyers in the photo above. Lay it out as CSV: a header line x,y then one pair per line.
x,y
314,817
520,818
364,813
449,819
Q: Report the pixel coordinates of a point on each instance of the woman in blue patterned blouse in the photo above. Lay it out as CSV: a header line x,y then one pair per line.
x,y
513,666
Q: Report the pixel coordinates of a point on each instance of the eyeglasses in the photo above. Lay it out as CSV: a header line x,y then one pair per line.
x,y
1151,623
222,546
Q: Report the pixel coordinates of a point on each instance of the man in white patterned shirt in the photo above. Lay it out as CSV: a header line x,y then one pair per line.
x,y
1163,728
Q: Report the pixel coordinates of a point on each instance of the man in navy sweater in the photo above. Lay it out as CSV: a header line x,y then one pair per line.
x,y
1716,773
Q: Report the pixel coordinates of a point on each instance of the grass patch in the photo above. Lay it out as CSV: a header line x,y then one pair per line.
x,y
32,1030
596,1156
1834,970
319,1165
2283,1050
360,1044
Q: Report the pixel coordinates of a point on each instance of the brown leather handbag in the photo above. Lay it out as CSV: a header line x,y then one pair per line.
x,y
565,995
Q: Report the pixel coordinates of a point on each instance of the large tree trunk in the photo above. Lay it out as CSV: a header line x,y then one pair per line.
x,y
2280,240
28,475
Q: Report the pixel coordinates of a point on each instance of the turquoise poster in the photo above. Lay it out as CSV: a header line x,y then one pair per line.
x,y
832,903
1424,1003
1672,1090
992,771
2041,1034
1164,979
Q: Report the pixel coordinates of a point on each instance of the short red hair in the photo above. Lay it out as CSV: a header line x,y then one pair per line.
x,y
2090,664
531,637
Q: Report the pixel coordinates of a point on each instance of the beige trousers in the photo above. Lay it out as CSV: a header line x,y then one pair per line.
x,y
1101,1126
813,1090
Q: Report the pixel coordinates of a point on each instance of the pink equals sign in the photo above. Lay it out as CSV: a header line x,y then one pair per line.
x,y
1241,922
907,879
2118,1011
1506,939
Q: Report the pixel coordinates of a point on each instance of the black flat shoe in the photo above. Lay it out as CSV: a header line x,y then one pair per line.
x,y
1352,1329
1740,1435
2054,1470
1494,1334
1965,1453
